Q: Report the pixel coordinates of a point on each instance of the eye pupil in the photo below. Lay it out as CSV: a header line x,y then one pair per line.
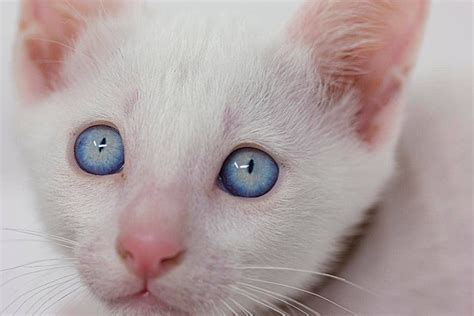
x,y
102,144
251,164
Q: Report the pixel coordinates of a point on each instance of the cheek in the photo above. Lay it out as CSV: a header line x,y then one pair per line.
x,y
79,207
252,228
100,266
244,231
292,227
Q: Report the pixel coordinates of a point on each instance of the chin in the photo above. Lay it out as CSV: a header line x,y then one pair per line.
x,y
144,303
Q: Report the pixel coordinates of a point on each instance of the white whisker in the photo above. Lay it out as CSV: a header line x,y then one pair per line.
x,y
282,301
41,288
229,308
34,272
84,289
305,291
212,309
217,309
29,264
309,272
276,295
36,240
241,307
258,301
39,311
43,235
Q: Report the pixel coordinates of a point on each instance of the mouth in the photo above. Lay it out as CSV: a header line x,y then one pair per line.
x,y
143,297
146,303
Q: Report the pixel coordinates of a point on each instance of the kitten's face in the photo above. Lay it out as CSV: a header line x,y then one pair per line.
x,y
184,94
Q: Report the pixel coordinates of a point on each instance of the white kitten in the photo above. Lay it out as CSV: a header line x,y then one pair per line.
x,y
165,230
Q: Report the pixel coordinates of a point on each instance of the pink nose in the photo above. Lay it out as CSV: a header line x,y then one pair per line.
x,y
148,255
150,239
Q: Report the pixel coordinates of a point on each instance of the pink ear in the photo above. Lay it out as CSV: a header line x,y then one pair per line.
x,y
47,33
369,45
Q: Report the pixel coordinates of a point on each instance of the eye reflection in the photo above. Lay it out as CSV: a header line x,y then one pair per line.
x,y
102,144
248,166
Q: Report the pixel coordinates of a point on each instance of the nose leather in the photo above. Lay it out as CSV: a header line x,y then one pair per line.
x,y
150,239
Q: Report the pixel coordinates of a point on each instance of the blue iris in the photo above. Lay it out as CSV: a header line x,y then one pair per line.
x,y
249,172
99,150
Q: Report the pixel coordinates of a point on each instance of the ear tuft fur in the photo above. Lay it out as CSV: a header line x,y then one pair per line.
x,y
47,33
369,45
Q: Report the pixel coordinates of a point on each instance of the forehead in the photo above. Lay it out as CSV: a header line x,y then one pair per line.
x,y
181,85
196,65
186,91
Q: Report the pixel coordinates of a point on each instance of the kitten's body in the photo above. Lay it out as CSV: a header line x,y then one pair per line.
x,y
329,115
417,253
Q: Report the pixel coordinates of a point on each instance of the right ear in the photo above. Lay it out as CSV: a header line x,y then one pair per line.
x,y
367,46
48,30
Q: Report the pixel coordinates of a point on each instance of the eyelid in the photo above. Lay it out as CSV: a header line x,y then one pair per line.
x,y
77,131
281,161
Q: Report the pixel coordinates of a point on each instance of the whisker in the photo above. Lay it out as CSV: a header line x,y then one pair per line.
x,y
42,288
28,265
276,295
40,234
283,301
52,293
310,272
43,276
241,307
36,240
216,308
34,272
258,301
61,298
29,291
229,308
212,309
305,291
78,297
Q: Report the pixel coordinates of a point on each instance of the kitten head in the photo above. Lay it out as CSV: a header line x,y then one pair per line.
x,y
178,152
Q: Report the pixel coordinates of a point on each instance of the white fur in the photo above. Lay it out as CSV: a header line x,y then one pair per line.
x,y
190,72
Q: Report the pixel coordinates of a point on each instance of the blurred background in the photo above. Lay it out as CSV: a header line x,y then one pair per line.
x,y
442,80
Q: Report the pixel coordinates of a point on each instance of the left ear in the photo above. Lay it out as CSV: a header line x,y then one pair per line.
x,y
47,32
366,45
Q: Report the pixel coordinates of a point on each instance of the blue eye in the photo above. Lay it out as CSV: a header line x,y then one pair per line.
x,y
99,150
249,172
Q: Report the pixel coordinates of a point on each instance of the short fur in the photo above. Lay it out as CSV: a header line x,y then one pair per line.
x,y
184,91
